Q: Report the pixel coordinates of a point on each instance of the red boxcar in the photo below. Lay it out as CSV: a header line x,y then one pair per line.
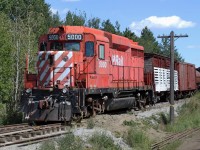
x,y
187,76
157,74
198,79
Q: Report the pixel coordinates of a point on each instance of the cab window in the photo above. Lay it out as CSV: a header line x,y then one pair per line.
x,y
43,46
89,49
101,52
72,46
56,46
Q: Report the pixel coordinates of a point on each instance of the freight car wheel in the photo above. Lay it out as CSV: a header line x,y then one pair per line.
x,y
167,98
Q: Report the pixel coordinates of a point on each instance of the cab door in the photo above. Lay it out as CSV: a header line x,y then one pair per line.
x,y
102,65
89,54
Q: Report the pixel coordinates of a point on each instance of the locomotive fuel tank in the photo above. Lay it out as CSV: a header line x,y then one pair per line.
x,y
120,103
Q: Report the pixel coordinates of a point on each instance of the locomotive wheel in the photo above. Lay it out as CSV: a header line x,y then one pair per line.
x,y
93,110
77,118
142,104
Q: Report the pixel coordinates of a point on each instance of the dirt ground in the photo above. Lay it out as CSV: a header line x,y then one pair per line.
x,y
114,123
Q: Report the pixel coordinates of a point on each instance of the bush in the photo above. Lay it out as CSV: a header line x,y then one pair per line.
x,y
130,123
172,146
137,139
49,145
101,141
158,121
189,116
69,142
12,118
2,113
90,123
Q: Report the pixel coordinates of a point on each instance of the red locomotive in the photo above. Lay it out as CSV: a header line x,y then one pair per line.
x,y
82,71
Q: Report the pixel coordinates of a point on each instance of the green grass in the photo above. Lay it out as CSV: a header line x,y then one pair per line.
x,y
2,113
156,122
48,145
100,141
137,139
69,142
189,116
130,123
172,146
90,124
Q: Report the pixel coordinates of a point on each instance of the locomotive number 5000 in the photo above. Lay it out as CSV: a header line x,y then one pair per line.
x,y
102,64
74,37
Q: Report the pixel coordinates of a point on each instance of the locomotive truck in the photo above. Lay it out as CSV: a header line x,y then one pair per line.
x,y
83,71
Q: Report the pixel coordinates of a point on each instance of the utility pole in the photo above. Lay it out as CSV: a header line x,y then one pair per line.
x,y
171,37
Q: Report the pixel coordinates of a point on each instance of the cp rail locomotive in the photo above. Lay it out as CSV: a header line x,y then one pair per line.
x,y
82,71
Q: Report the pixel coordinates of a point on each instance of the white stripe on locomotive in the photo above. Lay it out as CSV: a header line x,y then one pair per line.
x,y
58,54
43,61
60,65
44,72
65,73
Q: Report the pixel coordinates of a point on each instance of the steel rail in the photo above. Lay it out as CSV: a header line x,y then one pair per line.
x,y
174,137
32,134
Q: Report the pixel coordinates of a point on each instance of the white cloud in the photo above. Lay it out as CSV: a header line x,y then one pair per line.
x,y
61,12
161,22
70,0
53,10
193,46
64,11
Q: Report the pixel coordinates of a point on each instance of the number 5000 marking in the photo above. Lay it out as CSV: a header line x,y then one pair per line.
x,y
74,37
102,64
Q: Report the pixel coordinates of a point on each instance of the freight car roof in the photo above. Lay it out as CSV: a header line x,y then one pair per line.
x,y
155,55
165,57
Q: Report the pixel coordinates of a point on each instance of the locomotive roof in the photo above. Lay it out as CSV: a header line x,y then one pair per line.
x,y
100,35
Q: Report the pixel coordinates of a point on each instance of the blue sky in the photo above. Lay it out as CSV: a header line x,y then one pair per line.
x,y
161,16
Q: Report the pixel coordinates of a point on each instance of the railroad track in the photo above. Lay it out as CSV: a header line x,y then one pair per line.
x,y
23,134
173,137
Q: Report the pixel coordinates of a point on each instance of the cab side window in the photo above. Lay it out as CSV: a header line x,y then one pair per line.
x,y
43,46
101,52
89,49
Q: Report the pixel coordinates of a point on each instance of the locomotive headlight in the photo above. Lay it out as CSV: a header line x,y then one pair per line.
x,y
138,94
28,90
65,58
64,90
40,58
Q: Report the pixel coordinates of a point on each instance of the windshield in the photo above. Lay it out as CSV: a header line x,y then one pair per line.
x,y
72,46
56,46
